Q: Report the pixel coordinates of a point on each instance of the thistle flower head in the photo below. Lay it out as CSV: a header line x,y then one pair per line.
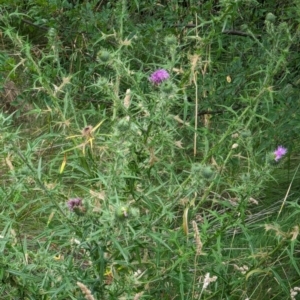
x,y
279,152
159,76
73,203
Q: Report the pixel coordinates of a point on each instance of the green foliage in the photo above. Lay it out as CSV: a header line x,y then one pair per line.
x,y
171,183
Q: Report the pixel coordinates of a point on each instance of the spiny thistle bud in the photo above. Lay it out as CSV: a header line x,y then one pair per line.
x,y
201,171
168,89
103,56
196,168
103,84
52,34
270,158
122,212
244,27
134,212
207,172
270,17
283,27
246,177
170,40
245,134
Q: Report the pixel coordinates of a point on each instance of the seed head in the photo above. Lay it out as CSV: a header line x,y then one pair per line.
x,y
85,291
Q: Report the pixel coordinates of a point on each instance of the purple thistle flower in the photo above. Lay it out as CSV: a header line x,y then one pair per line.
x,y
159,76
279,152
74,203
